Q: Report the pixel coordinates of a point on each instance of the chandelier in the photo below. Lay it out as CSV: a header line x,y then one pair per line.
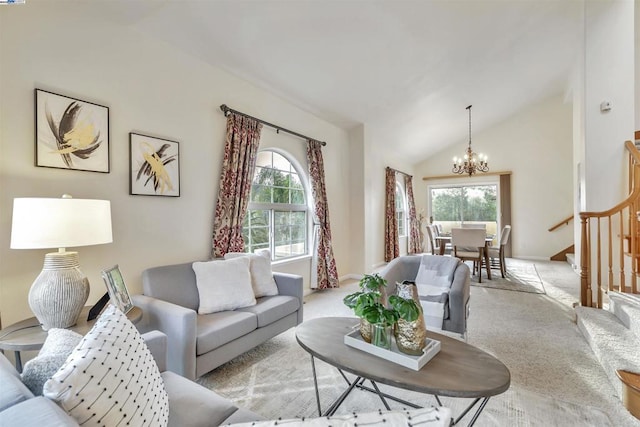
x,y
471,162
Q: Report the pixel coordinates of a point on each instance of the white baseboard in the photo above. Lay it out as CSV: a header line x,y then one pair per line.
x,y
350,276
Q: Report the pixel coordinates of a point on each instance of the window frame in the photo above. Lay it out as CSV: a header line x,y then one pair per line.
x,y
402,222
273,209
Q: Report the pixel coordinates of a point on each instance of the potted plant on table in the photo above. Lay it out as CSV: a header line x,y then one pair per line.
x,y
378,318
372,292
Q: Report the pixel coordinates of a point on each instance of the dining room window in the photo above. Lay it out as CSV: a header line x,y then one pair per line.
x,y
455,206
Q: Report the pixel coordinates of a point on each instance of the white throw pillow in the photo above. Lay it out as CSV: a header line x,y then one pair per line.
x,y
262,280
436,270
111,378
54,352
223,285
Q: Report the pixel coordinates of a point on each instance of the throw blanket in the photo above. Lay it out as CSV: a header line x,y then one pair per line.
x,y
435,304
434,281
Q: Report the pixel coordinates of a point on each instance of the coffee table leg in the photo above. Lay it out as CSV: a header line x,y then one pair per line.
x,y
18,361
315,384
476,414
384,401
335,405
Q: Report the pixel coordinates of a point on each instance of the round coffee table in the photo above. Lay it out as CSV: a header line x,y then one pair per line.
x,y
458,370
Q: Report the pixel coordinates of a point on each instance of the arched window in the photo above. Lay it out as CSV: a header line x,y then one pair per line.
x,y
278,213
401,210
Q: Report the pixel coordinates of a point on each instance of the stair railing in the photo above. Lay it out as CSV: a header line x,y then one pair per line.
x,y
623,217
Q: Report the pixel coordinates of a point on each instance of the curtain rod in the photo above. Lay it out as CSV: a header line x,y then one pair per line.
x,y
403,173
226,110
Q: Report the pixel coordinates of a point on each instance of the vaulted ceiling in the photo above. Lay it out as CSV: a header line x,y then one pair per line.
x,y
407,69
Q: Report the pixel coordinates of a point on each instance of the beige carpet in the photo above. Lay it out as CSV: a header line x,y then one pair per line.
x,y
555,379
521,276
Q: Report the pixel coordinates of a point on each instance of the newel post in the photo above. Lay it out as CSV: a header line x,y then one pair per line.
x,y
585,260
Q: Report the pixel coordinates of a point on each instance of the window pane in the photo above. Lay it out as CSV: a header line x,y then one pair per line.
x,y
264,158
299,218
279,162
263,176
261,194
295,181
256,230
297,197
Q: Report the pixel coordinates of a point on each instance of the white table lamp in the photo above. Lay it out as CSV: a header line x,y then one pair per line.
x,y
59,293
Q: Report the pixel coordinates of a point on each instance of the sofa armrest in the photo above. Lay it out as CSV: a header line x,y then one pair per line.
x,y
458,300
156,342
291,285
179,325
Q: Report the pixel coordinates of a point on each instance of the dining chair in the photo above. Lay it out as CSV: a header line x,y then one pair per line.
x,y
432,232
467,225
468,245
497,254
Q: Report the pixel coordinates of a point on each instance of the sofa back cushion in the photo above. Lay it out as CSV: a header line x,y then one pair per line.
x,y
172,283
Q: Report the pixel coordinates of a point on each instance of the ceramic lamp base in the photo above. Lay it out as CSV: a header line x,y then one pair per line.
x,y
59,293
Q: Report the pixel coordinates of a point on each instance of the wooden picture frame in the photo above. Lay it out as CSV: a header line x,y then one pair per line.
x,y
71,133
154,166
117,289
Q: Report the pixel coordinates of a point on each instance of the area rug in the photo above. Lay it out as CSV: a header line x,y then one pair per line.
x,y
521,277
275,380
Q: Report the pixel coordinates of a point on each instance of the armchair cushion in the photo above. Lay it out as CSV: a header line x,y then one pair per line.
x,y
223,285
436,271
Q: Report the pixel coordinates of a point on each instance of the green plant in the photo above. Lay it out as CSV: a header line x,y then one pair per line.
x,y
370,294
407,309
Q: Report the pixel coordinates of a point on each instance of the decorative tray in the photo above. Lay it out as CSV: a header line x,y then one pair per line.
x,y
354,339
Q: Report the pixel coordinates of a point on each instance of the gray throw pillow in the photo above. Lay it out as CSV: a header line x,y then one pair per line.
x,y
54,352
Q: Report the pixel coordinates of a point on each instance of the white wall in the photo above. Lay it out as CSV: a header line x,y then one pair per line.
x,y
149,88
536,146
608,76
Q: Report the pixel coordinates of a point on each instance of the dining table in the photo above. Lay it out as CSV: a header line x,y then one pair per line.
x,y
443,239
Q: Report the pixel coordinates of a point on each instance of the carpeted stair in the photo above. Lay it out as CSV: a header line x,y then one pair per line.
x,y
614,335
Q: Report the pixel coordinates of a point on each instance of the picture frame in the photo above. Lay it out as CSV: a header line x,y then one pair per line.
x,y
71,133
117,289
154,166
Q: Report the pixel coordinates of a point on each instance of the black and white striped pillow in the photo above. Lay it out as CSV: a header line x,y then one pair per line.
x,y
111,378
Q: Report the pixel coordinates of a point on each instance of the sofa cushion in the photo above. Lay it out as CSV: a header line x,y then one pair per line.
x,y
270,309
55,350
12,390
172,283
216,329
191,404
36,411
262,280
436,270
223,285
111,378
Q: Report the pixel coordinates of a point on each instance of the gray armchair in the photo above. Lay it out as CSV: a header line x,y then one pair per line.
x,y
457,310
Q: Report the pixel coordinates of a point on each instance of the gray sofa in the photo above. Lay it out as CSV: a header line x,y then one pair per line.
x,y
457,310
190,405
198,343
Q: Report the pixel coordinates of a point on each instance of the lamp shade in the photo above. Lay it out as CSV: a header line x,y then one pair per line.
x,y
40,223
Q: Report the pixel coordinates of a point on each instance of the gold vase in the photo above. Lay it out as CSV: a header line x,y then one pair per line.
x,y
410,336
365,330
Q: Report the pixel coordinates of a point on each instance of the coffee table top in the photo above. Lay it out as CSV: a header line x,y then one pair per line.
x,y
458,370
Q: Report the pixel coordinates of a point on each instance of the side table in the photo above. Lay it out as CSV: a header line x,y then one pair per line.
x,y
28,334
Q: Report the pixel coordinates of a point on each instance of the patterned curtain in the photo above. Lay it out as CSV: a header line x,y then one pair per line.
x,y
239,163
415,243
391,243
323,272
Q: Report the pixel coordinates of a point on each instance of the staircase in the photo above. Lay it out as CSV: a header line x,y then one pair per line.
x,y
614,337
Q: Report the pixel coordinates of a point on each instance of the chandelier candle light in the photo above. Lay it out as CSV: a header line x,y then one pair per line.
x,y
58,294
471,162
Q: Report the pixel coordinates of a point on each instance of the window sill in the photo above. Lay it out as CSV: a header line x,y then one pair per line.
x,y
291,260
